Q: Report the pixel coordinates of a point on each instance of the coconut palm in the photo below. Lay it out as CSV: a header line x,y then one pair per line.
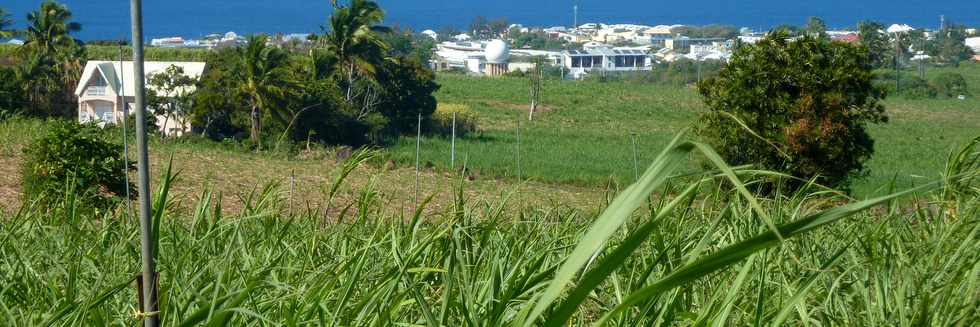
x,y
354,41
5,22
36,81
49,28
262,78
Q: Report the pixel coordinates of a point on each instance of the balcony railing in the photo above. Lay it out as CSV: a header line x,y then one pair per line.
x,y
95,91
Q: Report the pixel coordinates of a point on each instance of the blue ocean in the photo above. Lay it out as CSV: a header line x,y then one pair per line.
x,y
109,19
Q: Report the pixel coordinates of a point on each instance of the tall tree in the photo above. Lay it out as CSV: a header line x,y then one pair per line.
x,y
171,95
816,27
5,23
262,78
873,37
354,40
49,28
36,82
806,102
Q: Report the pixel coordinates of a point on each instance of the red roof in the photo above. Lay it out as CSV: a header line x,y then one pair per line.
x,y
848,38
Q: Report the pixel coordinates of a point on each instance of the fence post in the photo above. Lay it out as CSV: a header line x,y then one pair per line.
x,y
418,158
636,164
452,155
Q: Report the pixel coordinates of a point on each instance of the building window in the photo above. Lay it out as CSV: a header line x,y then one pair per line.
x,y
107,117
576,62
83,116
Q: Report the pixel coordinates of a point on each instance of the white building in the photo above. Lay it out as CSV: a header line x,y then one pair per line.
x,y
105,86
973,43
604,59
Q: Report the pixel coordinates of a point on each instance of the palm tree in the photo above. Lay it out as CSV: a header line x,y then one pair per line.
x,y
353,39
5,22
35,77
49,28
262,78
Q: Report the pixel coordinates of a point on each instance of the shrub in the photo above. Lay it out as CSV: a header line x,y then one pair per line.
x,y
74,158
916,88
949,84
442,119
806,103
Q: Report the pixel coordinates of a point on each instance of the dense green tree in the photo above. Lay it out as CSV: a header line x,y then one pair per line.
x,y
262,79
11,95
405,43
37,80
949,45
408,92
77,160
217,106
806,103
354,40
707,31
815,27
446,33
873,37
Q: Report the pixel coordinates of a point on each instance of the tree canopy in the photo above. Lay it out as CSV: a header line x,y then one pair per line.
x,y
794,106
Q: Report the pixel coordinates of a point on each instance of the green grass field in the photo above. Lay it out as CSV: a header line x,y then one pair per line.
x,y
582,136
702,256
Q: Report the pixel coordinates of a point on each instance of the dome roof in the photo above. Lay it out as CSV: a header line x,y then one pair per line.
x,y
497,52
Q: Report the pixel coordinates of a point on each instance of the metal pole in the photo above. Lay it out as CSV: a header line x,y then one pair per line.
x,y
452,155
150,308
125,118
636,164
418,158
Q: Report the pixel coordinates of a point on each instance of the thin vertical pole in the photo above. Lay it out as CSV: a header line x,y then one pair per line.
x,y
452,155
519,173
150,308
125,118
418,158
636,164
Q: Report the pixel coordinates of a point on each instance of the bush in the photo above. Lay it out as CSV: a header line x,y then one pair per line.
x,y
949,84
74,159
442,119
806,103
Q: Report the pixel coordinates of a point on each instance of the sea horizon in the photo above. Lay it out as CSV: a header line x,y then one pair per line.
x,y
108,20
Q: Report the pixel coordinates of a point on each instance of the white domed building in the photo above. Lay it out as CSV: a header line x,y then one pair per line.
x,y
497,54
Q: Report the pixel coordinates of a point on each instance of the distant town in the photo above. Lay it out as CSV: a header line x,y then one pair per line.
x,y
494,47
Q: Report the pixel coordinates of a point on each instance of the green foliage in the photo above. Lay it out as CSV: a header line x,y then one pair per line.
x,y
5,23
480,264
798,107
707,31
949,84
407,90
815,27
74,160
442,120
11,96
261,79
874,39
537,40
113,53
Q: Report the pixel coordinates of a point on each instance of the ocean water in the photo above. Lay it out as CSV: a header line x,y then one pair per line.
x,y
109,19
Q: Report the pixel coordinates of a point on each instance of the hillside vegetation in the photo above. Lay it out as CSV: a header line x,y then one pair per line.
x,y
582,135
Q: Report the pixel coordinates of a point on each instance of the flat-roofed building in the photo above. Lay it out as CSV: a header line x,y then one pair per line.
x,y
603,59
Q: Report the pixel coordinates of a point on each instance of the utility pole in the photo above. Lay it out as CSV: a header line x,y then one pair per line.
x,y
575,15
151,310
